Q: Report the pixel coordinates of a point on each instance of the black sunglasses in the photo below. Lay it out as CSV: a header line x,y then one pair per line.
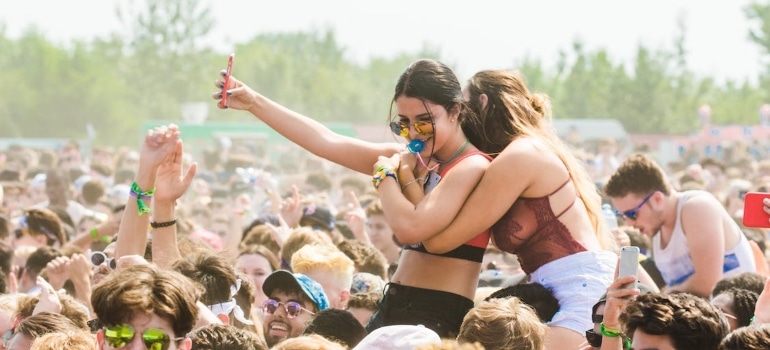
x,y
594,339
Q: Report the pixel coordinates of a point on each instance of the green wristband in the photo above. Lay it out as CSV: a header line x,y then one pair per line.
x,y
614,333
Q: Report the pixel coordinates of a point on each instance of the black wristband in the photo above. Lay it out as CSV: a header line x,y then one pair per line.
x,y
154,224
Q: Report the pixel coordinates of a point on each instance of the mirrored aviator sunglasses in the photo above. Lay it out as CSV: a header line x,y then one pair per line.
x,y
121,335
98,258
424,128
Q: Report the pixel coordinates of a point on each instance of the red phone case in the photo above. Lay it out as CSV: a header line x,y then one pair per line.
x,y
753,210
227,79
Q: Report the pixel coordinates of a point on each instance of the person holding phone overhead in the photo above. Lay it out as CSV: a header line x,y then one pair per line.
x,y
695,242
430,116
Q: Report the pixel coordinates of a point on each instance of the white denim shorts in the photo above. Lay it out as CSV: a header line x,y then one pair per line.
x,y
577,281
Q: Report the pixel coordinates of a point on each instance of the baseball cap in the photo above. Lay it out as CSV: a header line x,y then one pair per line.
x,y
285,280
320,215
398,337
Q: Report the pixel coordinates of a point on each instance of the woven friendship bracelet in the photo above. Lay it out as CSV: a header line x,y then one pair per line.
x,y
381,173
141,207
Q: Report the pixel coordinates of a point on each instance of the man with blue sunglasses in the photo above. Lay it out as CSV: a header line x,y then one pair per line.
x,y
695,241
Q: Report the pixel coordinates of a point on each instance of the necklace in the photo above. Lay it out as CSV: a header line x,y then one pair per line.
x,y
457,153
438,162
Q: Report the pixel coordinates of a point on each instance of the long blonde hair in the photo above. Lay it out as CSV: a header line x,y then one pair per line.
x,y
511,112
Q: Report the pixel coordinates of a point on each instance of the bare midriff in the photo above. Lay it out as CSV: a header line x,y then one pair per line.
x,y
421,270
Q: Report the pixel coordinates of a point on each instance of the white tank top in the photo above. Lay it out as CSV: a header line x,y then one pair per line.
x,y
675,263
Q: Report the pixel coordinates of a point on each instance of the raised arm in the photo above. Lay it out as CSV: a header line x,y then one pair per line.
x,y
171,184
308,133
132,232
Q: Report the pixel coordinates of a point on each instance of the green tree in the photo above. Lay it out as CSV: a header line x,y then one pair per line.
x,y
166,63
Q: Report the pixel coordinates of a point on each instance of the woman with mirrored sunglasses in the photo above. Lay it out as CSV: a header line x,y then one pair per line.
x,y
422,193
538,201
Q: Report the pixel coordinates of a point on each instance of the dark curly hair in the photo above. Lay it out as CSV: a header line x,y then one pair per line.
x,y
748,338
748,280
689,321
743,304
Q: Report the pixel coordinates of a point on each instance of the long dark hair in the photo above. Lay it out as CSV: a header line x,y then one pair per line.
x,y
432,81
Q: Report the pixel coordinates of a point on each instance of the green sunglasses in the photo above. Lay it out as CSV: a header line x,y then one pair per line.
x,y
120,335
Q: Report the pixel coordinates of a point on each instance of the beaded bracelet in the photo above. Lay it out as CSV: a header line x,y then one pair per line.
x,y
614,333
154,224
381,173
137,192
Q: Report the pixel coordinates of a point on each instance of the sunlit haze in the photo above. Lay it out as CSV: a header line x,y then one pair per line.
x,y
473,35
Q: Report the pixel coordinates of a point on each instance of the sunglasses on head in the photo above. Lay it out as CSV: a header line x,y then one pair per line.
x,y
121,335
423,127
633,213
98,258
292,308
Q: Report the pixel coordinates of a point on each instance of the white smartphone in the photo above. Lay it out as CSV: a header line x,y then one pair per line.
x,y
629,262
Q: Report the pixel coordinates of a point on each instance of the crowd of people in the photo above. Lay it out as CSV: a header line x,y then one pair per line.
x,y
478,227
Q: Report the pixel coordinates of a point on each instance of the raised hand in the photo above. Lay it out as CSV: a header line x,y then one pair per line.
x,y
762,308
57,271
159,143
355,216
49,299
291,209
80,269
240,96
172,182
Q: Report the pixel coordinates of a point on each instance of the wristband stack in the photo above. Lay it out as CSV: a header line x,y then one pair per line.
x,y
382,172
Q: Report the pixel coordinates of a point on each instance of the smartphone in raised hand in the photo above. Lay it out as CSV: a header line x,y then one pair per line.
x,y
228,73
629,262
753,210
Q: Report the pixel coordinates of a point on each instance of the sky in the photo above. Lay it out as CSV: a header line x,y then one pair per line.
x,y
473,35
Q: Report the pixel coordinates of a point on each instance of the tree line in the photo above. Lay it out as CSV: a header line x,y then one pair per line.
x,y
116,83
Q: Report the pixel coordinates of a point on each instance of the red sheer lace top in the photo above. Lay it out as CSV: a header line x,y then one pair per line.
x,y
531,230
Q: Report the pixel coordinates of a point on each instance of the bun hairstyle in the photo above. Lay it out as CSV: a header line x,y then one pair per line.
x,y
512,111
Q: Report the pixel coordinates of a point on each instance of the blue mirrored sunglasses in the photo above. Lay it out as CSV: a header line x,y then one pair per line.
x,y
633,213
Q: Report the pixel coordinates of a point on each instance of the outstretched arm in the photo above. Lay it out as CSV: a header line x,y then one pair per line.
x,y
309,134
